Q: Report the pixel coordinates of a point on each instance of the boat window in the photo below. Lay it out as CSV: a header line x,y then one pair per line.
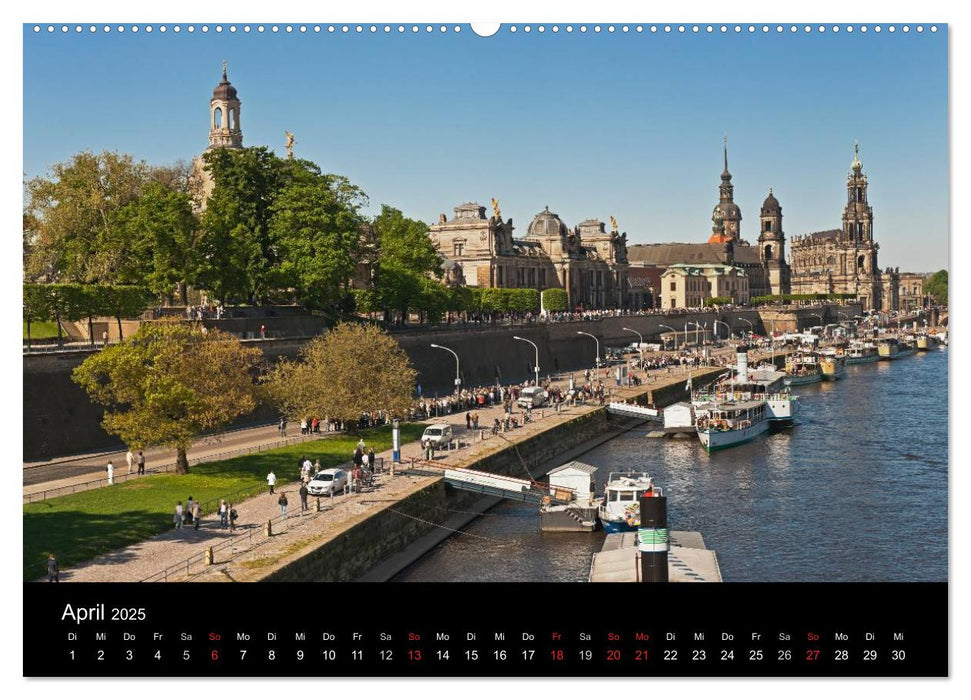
x,y
627,495
613,495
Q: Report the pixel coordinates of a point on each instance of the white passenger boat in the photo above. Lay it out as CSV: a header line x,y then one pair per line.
x,y
762,384
620,510
862,353
730,423
803,369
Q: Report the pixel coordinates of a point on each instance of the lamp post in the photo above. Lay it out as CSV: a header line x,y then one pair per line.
x,y
535,347
640,346
458,380
821,322
751,325
726,326
661,325
597,360
697,329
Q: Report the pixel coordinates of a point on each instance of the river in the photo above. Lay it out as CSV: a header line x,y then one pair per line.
x,y
856,491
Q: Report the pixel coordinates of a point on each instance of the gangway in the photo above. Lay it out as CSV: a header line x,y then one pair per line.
x,y
632,409
524,490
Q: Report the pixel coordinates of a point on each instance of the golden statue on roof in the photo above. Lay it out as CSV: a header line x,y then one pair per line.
x,y
613,224
495,209
290,141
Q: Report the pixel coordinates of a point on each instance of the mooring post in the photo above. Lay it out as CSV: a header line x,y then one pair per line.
x,y
652,539
268,528
209,556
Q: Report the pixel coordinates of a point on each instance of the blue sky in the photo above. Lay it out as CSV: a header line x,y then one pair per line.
x,y
592,125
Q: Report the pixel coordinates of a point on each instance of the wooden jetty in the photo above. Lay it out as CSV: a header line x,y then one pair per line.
x,y
689,560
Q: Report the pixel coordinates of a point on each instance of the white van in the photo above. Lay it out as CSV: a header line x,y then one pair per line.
x,y
438,434
532,397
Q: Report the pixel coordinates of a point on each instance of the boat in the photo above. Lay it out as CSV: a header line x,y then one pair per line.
x,y
730,423
832,366
620,510
927,342
761,384
894,348
862,353
803,369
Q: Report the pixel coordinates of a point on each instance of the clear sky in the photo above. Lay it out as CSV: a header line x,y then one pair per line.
x,y
592,125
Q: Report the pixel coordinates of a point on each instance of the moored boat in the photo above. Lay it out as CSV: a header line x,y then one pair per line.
x,y
731,423
894,348
862,353
832,367
761,384
620,510
927,342
803,369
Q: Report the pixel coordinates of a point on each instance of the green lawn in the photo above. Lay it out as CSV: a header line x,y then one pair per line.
x,y
41,329
84,525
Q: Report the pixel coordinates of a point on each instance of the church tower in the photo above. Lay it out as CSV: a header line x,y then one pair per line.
x,y
772,245
857,214
224,128
726,217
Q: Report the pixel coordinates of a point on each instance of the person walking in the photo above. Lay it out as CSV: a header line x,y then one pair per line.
x,y
282,500
233,515
283,427
130,459
196,512
141,463
177,518
189,505
111,473
271,480
223,513
371,460
303,498
53,573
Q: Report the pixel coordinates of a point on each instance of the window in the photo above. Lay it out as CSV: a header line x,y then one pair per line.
x,y
674,286
768,252
768,226
217,118
458,248
499,276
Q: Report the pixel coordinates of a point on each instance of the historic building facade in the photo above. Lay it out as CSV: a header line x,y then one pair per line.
x,y
844,260
224,132
587,261
687,286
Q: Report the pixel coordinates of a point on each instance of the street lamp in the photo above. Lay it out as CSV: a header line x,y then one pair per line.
x,y
661,325
458,381
536,366
597,361
697,329
751,325
715,328
640,346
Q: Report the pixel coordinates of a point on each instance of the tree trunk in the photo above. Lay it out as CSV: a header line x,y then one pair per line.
x,y
181,461
28,335
91,330
183,294
121,337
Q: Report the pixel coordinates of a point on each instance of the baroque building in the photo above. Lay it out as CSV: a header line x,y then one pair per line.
x,y
844,260
224,132
587,261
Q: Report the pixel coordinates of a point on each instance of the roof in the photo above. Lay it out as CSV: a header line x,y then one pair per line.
x,y
824,235
690,253
771,204
578,466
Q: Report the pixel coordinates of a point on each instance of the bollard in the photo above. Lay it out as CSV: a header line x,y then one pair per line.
x,y
318,504
652,539
209,556
268,528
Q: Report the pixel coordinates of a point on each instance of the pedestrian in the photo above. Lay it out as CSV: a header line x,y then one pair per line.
x,y
223,513
189,503
263,330
196,514
303,497
111,473
271,480
303,426
233,515
365,461
104,337
177,518
141,462
283,427
282,500
317,466
468,421
371,459
53,574
130,459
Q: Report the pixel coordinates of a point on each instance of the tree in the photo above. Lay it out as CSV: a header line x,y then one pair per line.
x,y
237,256
404,243
37,306
164,235
555,299
316,228
74,211
352,370
124,302
936,287
169,383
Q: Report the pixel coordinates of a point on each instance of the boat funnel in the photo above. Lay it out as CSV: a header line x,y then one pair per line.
x,y
741,359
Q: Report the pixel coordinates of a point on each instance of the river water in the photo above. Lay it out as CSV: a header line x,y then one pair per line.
x,y
857,491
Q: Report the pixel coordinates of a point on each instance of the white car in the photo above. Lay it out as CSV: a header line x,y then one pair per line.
x,y
438,435
327,482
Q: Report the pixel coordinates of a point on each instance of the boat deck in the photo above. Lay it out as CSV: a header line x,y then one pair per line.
x,y
689,561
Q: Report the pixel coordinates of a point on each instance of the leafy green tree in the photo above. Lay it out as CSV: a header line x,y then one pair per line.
x,y
936,286
74,209
237,255
351,370
169,383
124,302
555,299
164,235
404,243
316,227
433,301
37,306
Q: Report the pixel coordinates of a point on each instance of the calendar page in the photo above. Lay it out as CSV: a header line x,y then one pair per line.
x,y
508,350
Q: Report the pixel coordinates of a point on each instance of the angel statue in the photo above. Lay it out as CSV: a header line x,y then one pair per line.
x,y
290,142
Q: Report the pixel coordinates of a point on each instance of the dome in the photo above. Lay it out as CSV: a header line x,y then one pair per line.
x,y
771,205
224,91
546,223
727,210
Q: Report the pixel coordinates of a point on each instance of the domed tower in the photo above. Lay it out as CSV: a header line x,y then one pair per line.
x,y
772,245
726,217
857,214
224,128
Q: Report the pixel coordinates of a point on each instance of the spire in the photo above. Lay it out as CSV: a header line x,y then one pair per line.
x,y
726,155
856,156
225,79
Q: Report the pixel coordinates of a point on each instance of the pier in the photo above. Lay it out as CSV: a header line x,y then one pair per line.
x,y
689,560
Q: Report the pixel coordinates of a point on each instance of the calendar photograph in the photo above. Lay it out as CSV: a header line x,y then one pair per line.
x,y
474,309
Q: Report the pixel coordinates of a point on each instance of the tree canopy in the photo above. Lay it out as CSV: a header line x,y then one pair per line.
x,y
936,286
169,383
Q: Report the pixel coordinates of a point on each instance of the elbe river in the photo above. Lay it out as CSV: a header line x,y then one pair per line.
x,y
856,491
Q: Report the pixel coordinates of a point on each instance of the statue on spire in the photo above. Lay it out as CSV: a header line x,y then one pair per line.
x,y
290,141
856,156
224,70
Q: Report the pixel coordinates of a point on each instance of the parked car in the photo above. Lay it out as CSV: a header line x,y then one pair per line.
x,y
327,482
438,434
532,397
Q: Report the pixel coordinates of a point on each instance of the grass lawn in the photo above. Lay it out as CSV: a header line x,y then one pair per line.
x,y
41,329
86,524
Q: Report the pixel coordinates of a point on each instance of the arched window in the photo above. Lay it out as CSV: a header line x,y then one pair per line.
x,y
233,120
217,118
768,226
768,252
861,263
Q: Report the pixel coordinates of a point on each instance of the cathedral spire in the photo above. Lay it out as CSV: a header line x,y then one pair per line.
x,y
725,172
857,165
